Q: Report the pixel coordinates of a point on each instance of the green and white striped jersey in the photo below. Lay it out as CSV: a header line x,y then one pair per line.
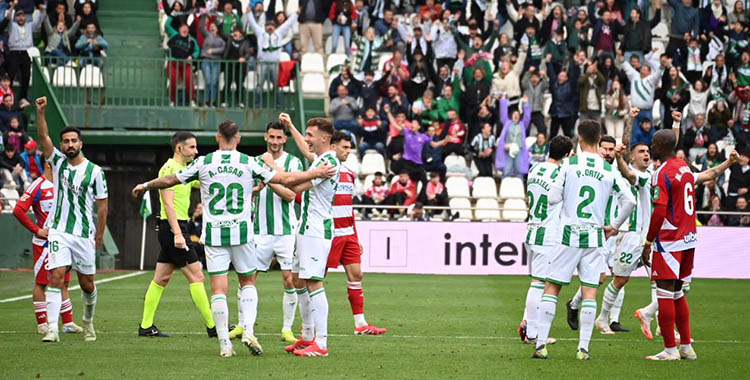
x,y
273,215
641,215
76,189
226,178
612,211
583,186
542,227
317,202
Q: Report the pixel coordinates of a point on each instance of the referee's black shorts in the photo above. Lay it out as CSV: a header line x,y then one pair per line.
x,y
169,253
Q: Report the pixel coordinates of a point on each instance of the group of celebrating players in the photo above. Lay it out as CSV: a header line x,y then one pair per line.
x,y
588,213
234,232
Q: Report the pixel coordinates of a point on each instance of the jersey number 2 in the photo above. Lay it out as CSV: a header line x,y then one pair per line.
x,y
588,194
234,198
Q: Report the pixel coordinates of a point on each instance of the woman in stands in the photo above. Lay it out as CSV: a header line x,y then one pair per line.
x,y
212,52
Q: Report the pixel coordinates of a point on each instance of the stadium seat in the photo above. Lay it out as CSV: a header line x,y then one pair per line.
x,y
462,206
372,163
491,215
10,195
514,210
91,77
530,141
474,169
314,84
353,164
335,60
512,188
312,63
368,181
458,187
64,76
660,30
484,187
285,57
33,52
454,159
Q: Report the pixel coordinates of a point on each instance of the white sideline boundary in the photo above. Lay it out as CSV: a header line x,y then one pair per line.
x,y
97,282
392,336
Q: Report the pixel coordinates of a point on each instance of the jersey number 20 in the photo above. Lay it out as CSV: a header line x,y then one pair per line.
x,y
233,194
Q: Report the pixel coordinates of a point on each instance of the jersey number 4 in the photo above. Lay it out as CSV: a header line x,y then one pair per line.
x,y
540,211
234,195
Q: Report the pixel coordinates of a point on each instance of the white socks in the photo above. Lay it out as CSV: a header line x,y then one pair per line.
x,y
249,306
308,325
614,314
359,320
650,310
575,303
319,309
588,314
220,311
289,306
547,306
533,296
239,308
54,300
610,296
89,305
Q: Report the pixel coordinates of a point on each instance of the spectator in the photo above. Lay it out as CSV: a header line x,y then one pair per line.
x,y
741,131
616,107
425,109
578,37
343,109
376,194
239,52
528,18
81,6
676,96
59,12
698,99
434,194
564,89
343,17
88,16
228,19
535,85
32,160
714,18
418,214
642,88
456,134
482,148
685,24
403,193
605,34
557,49
345,78
312,13
388,25
696,139
475,94
269,45
369,92
421,74
58,39
411,160
432,154
362,17
590,94
715,219
254,10
740,220
287,42
506,80
19,41
182,50
449,99
739,179
212,52
644,133
539,150
15,135
367,52
477,56
636,35
512,156
713,158
6,89
716,77
395,71
396,102
739,14
737,43
719,117
553,24
443,43
92,45
430,11
9,111
11,169
373,132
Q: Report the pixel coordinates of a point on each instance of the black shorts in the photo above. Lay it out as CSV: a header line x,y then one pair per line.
x,y
169,253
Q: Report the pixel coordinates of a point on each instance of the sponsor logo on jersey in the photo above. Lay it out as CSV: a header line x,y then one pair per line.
x,y
689,237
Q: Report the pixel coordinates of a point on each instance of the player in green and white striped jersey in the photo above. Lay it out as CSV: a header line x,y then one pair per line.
x,y
314,235
275,223
582,186
73,235
226,176
543,229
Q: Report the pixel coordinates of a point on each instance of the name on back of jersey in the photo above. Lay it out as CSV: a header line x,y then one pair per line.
x,y
538,181
226,170
590,173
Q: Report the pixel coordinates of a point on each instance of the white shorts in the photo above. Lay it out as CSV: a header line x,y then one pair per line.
x,y
241,256
269,246
311,257
70,250
629,248
539,259
609,251
565,260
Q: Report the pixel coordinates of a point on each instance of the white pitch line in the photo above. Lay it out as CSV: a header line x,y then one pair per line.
x,y
386,336
108,279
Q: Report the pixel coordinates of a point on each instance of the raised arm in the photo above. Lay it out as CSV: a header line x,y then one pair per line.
x,y
622,165
512,12
504,111
716,171
626,201
254,24
284,28
42,132
47,25
299,140
526,121
627,132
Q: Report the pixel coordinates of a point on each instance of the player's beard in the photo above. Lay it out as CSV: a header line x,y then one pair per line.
x,y
72,153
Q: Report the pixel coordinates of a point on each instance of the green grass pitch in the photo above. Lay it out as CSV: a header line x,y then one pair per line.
x,y
439,327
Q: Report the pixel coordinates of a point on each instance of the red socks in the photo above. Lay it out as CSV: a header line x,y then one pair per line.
x,y
666,316
66,311
682,317
40,309
356,297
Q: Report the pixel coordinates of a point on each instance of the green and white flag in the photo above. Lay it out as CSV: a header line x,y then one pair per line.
x,y
146,205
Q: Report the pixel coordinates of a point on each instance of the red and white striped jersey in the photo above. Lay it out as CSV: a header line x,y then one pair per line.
x,y
343,214
40,197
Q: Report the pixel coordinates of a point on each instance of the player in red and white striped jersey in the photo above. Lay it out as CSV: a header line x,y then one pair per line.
x,y
40,197
346,249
